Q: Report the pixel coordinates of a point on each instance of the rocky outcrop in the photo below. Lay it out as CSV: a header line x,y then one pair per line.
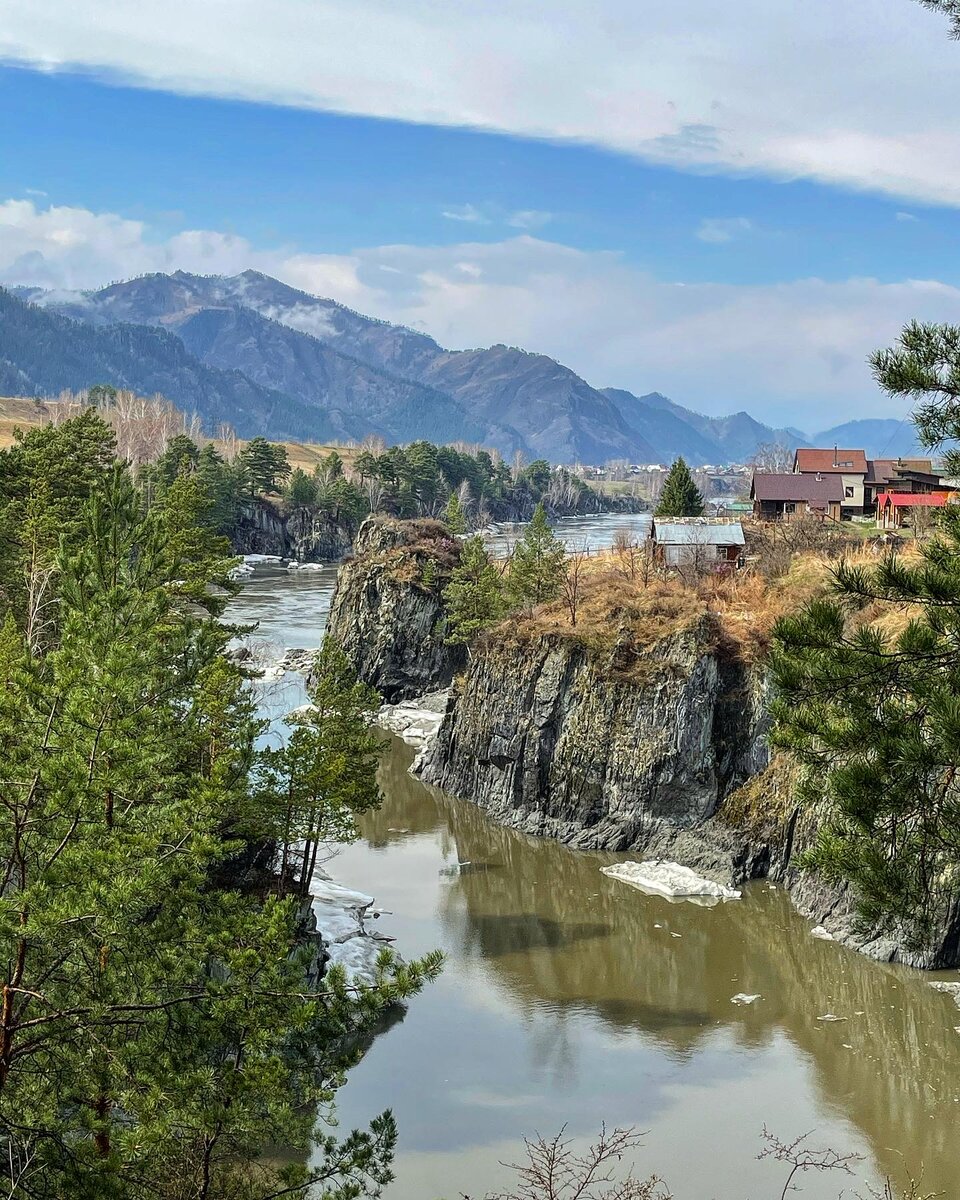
x,y
302,535
765,815
260,529
670,761
387,613
547,740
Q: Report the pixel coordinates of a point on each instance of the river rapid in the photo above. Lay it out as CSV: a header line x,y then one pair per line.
x,y
571,999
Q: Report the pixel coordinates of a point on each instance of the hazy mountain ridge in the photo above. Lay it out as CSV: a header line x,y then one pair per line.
x,y
43,353
879,437
333,372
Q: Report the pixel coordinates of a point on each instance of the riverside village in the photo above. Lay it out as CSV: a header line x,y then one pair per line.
x,y
435,762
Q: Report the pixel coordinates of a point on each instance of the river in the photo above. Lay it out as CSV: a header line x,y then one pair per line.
x,y
570,999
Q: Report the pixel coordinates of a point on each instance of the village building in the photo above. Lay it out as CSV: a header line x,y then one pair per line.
x,y
783,497
897,509
914,476
710,544
849,465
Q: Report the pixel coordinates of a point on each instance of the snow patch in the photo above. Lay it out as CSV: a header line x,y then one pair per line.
x,y
819,931
672,880
341,916
416,721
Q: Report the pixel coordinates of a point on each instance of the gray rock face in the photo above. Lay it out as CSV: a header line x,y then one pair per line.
x,y
545,742
386,612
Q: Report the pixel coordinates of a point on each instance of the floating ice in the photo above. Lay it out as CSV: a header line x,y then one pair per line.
x,y
831,1017
823,934
744,998
262,560
671,880
951,989
340,914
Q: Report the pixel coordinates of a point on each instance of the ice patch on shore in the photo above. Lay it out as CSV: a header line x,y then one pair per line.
x,y
341,915
416,721
672,880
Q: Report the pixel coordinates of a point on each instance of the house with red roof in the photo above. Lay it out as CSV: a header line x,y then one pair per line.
x,y
895,509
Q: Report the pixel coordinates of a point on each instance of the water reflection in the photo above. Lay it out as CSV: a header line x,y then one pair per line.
x,y
571,955
571,998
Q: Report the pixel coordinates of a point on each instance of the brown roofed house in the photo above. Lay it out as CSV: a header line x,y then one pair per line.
x,y
849,465
792,497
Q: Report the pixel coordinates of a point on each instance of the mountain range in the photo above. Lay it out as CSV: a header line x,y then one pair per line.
x,y
273,360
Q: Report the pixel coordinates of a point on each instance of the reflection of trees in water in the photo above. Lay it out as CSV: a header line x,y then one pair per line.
x,y
557,933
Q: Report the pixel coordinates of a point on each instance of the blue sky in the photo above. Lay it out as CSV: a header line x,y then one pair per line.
x,y
726,217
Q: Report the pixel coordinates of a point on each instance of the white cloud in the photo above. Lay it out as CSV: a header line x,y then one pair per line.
x,y
723,229
465,212
905,216
792,352
529,218
819,89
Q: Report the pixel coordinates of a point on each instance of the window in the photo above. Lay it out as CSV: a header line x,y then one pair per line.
x,y
789,507
848,493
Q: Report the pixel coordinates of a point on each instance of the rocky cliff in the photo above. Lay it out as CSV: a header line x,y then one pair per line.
x,y
547,739
387,611
642,730
304,535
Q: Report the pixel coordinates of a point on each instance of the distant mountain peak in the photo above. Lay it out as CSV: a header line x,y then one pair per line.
x,y
354,375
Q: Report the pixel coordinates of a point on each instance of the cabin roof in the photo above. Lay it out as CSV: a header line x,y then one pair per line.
x,y
698,533
835,461
803,489
913,499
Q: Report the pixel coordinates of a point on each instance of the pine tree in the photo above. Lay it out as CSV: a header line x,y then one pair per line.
x,y
157,1028
301,489
875,718
264,464
326,774
473,599
680,496
535,572
454,517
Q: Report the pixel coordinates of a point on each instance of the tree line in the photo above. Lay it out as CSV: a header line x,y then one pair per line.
x,y
162,1026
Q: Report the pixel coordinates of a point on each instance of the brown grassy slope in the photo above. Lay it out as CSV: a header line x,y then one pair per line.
x,y
20,412
616,610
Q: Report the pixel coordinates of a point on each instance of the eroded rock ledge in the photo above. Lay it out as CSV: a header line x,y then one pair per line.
x,y
387,612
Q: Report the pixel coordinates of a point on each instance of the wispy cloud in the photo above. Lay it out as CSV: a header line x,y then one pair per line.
x,y
905,216
723,229
529,218
883,116
469,213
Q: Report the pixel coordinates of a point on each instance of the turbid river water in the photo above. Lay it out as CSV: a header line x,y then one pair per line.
x,y
570,999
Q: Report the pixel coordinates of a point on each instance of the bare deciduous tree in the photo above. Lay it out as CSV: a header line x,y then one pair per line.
x,y
572,584
802,1158
555,1171
772,457
634,556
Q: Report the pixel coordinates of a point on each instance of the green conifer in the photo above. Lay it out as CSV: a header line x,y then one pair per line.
x,y
473,598
535,571
454,517
680,496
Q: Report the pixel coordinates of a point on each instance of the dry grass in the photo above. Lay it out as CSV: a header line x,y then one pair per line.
x,y
766,800
620,618
20,412
618,622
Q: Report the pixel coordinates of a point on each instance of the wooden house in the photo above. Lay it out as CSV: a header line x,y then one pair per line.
x,y
782,497
697,542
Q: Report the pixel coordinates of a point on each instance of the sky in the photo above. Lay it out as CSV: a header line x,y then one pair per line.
x,y
730,204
